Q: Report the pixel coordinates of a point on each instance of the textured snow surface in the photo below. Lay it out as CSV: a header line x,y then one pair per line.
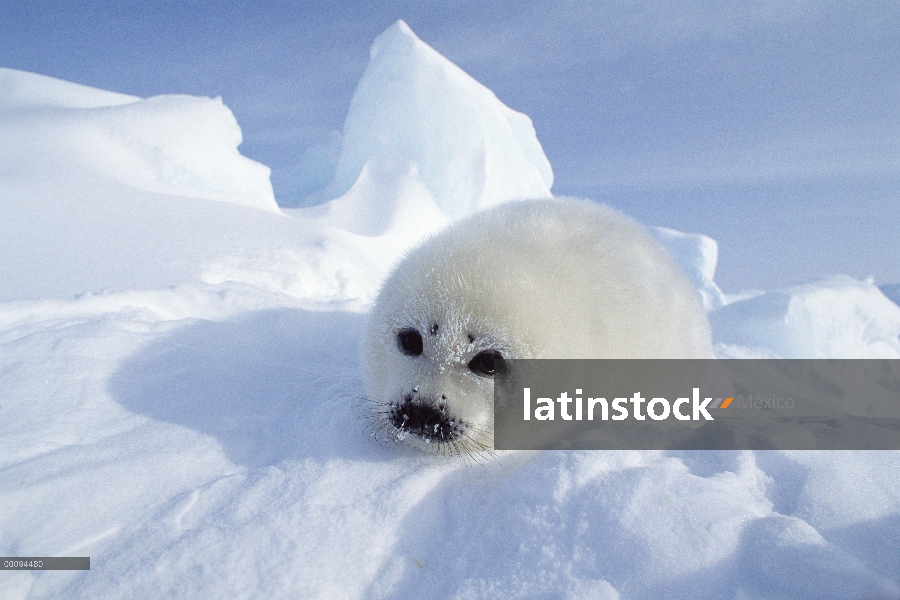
x,y
838,317
180,392
174,145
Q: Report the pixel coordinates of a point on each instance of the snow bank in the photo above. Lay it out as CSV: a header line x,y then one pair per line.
x,y
838,317
412,105
29,91
174,145
103,193
833,318
697,254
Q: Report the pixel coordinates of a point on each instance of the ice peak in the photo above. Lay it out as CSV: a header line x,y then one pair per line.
x,y
413,105
399,44
398,33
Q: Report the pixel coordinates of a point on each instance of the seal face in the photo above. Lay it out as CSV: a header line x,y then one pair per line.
x,y
561,278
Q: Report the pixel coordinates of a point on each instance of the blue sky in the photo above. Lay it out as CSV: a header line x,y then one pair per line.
x,y
772,126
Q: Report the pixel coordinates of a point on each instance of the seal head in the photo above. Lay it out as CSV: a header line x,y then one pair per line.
x,y
560,278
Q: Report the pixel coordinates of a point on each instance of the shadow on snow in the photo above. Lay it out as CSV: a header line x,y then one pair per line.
x,y
268,386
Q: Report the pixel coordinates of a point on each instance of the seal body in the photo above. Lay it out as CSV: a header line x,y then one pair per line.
x,y
559,278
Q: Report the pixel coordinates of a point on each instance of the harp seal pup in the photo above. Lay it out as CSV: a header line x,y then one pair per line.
x,y
557,278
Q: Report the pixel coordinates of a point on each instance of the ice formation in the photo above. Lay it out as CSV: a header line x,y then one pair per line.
x,y
838,317
697,254
174,145
414,106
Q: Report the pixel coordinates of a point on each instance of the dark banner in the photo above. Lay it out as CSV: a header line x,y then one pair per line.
x,y
45,563
697,405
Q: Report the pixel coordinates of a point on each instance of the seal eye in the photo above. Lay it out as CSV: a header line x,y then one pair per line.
x,y
410,342
486,363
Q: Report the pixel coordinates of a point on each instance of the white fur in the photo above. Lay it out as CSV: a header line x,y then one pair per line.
x,y
561,278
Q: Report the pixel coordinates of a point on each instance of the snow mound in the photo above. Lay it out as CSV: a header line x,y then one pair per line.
x,y
697,254
55,131
22,90
413,105
838,317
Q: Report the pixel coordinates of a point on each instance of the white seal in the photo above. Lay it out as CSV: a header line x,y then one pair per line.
x,y
561,278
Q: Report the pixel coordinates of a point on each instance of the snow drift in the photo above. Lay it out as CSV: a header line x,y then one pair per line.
x,y
838,317
174,145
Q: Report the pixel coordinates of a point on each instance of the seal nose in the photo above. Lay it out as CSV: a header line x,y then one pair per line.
x,y
423,419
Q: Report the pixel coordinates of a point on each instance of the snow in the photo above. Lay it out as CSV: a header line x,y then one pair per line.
x,y
173,145
30,91
697,254
838,317
413,105
180,392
